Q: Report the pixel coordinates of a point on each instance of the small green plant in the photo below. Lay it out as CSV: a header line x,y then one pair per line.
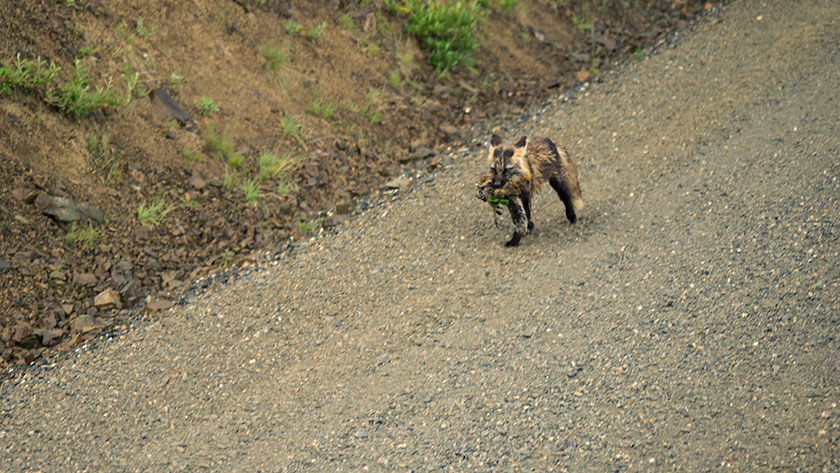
x,y
293,27
283,186
372,109
292,127
154,213
27,74
76,97
580,23
275,57
85,236
143,31
314,33
192,156
347,23
320,107
230,175
235,160
268,164
253,193
188,201
217,143
639,53
594,62
306,227
395,80
506,5
446,29
206,105
175,79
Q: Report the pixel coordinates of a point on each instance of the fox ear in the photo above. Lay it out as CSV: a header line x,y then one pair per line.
x,y
495,140
521,142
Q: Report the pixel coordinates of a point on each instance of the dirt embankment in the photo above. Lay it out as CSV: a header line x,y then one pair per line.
x,y
340,95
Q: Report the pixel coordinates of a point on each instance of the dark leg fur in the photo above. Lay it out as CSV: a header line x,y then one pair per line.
x,y
520,223
560,187
526,202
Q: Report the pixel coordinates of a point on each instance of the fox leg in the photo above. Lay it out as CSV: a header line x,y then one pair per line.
x,y
520,222
563,191
526,203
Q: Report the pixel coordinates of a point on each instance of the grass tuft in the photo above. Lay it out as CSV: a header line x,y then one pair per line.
x,y
154,213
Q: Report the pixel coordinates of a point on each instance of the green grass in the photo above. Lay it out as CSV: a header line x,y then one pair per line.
x,y
314,33
293,27
275,58
251,188
283,186
143,30
154,213
230,175
272,166
639,53
192,156
306,227
347,23
84,236
445,29
175,79
78,99
27,74
206,105
223,145
372,109
320,107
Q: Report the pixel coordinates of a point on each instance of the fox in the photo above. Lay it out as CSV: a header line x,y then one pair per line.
x,y
516,175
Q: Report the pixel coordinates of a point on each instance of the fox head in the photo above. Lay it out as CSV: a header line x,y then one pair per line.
x,y
505,162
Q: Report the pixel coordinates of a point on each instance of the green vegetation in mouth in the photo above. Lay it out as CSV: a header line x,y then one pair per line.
x,y
498,201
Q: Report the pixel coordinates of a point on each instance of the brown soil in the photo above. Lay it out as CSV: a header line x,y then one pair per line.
x,y
55,292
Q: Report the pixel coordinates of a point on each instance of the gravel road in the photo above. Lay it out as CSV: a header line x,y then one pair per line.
x,y
688,322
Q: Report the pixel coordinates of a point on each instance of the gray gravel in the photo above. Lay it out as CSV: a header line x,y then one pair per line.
x,y
688,322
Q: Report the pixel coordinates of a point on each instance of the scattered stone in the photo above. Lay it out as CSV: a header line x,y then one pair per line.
x,y
167,105
344,207
197,182
334,221
24,195
398,183
435,163
360,434
108,297
4,265
67,308
50,337
90,212
583,75
85,324
420,152
448,129
61,209
158,305
552,84
85,279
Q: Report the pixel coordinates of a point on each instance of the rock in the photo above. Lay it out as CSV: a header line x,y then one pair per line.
x,y
4,265
164,103
85,324
197,182
158,305
448,129
552,84
70,343
90,212
108,297
26,196
67,308
366,18
61,209
85,279
583,75
334,221
435,163
360,434
344,207
398,183
50,337
420,152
